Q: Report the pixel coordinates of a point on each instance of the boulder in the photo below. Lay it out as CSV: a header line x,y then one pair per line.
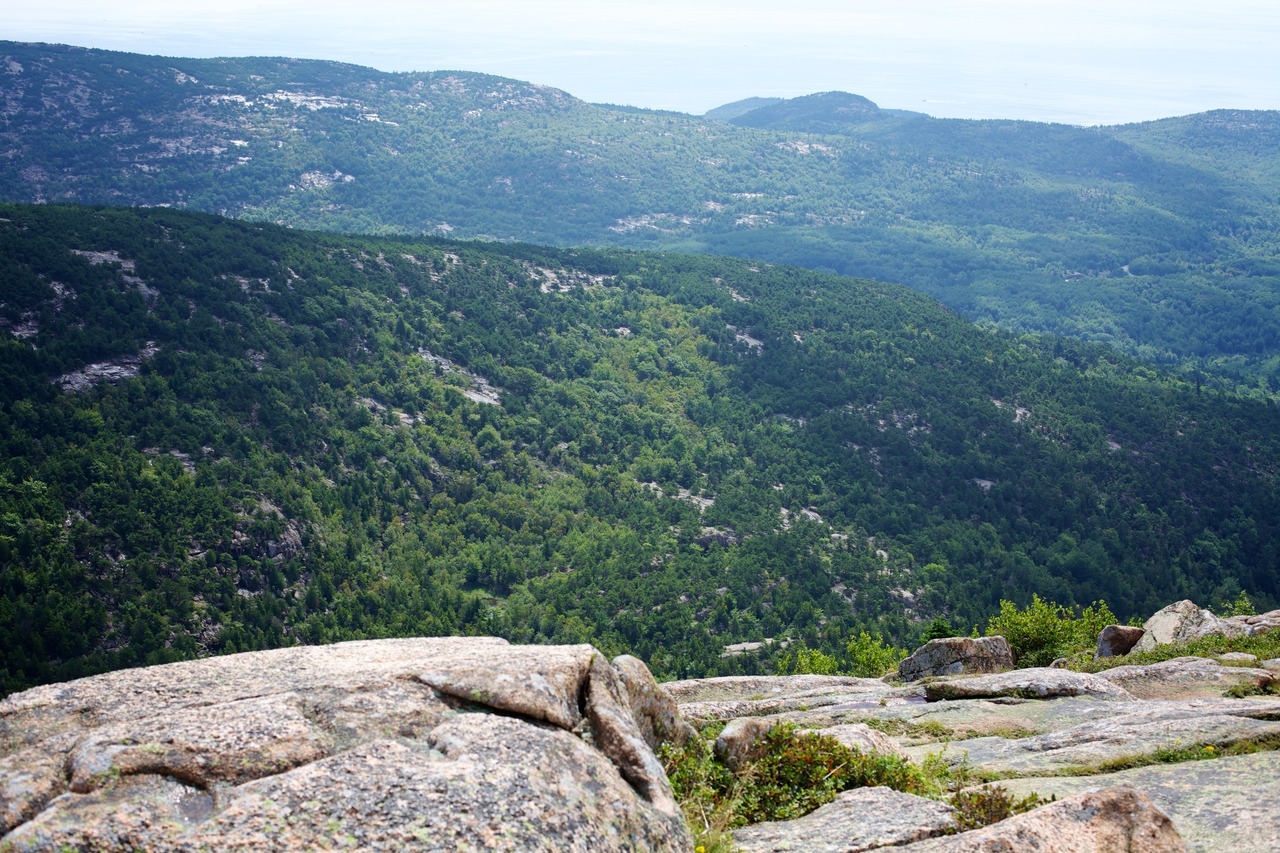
x,y
655,711
861,819
1031,683
1105,821
440,744
863,738
956,656
742,740
1117,640
1183,621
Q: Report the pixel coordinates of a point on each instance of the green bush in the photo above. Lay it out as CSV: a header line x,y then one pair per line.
x,y
806,661
979,807
871,657
796,773
1045,631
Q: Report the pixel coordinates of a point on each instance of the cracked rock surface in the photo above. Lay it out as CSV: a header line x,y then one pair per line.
x,y
437,744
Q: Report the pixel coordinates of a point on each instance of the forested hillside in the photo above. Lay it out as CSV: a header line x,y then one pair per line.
x,y
220,435
1160,239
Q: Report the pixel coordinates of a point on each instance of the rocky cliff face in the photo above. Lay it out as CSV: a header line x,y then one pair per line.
x,y
437,744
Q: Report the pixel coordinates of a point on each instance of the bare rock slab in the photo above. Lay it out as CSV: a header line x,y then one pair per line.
x,y
863,738
1032,683
439,744
957,656
704,700
1183,677
1224,805
1123,731
1113,819
861,819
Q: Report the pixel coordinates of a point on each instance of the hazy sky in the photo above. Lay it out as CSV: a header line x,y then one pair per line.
x,y
1078,61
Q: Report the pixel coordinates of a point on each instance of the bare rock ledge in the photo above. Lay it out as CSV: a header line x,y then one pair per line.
x,y
434,744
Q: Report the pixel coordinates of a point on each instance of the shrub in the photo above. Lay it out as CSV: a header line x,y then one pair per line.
x,y
806,661
796,773
979,807
1044,631
871,657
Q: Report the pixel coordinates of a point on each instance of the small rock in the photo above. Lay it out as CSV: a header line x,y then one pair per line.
x,y
1238,659
1119,818
1117,640
956,656
742,741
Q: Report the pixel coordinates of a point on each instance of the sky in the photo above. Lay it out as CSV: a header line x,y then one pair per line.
x,y
1073,61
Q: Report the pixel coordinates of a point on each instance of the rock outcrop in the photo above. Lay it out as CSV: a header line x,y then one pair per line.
x,y
655,711
1183,621
1117,640
1184,677
957,655
438,744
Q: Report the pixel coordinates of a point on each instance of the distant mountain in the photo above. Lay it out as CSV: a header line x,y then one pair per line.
x,y
1162,239
826,112
728,112
218,435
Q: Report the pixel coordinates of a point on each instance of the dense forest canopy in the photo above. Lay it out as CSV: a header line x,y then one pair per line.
x,y
221,435
1159,238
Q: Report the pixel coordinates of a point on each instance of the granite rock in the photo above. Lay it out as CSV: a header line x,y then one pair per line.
x,y
1117,640
656,713
956,656
1032,683
861,819
1183,621
441,744
1105,821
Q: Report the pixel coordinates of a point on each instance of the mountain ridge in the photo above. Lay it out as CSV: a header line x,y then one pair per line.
x,y
1134,237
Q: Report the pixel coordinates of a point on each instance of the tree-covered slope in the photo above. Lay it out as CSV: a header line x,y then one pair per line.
x,y
1158,240
220,435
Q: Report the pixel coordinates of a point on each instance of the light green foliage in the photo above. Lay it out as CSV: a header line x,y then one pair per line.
x,y
807,661
1241,606
871,657
1044,631
799,771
